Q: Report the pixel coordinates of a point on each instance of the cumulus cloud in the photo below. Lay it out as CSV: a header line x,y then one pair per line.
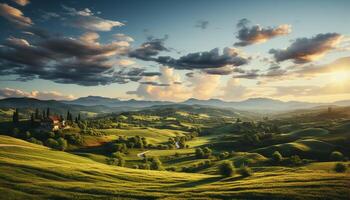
x,y
248,35
14,15
9,92
205,60
163,87
90,37
304,50
22,2
149,49
66,60
123,37
204,86
86,19
233,90
202,24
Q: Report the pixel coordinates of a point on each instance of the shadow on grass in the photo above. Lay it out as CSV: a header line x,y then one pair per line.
x,y
200,182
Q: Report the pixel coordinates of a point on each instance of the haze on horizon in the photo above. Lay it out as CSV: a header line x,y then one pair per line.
x,y
175,50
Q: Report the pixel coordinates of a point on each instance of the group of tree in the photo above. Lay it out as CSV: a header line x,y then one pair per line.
x,y
200,153
116,158
227,169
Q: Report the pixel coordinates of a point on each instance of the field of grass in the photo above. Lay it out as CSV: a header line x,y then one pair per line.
x,y
153,135
29,171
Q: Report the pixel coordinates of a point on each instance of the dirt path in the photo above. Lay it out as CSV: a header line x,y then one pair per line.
x,y
141,155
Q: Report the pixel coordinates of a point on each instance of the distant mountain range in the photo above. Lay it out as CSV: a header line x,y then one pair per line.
x,y
252,104
100,104
114,102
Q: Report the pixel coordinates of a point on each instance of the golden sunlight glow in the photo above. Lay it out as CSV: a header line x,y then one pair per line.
x,y
340,76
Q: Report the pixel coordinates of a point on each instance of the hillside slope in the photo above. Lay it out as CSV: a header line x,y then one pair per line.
x,y
29,171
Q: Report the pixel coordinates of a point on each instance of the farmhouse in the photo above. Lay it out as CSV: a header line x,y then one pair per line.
x,y
52,123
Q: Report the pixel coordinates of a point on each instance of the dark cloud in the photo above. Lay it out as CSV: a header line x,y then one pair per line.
x,y
248,74
257,34
66,60
304,50
151,74
15,16
190,74
149,49
202,24
205,60
154,83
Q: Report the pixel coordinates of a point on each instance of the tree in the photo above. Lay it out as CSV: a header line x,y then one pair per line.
x,y
340,167
276,156
199,153
245,171
79,117
156,164
32,120
295,160
207,152
36,113
227,169
15,116
44,114
48,113
119,159
336,156
51,143
62,144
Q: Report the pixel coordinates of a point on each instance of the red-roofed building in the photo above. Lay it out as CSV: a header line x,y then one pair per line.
x,y
52,123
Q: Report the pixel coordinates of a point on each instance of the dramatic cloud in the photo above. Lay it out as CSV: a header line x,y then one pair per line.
x,y
163,87
9,92
90,37
204,86
149,49
305,50
85,19
14,15
233,90
202,24
21,2
66,60
123,37
206,60
257,34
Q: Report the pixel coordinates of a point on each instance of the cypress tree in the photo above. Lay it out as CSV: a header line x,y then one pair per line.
x,y
48,113
15,117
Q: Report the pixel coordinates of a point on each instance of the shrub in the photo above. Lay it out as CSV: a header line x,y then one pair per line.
x,y
295,160
226,169
145,166
245,171
340,167
172,169
276,156
51,143
35,141
336,156
156,164
199,153
62,144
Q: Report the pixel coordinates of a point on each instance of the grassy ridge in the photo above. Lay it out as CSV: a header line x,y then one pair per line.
x,y
29,171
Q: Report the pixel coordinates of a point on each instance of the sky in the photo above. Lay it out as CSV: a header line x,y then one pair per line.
x,y
175,50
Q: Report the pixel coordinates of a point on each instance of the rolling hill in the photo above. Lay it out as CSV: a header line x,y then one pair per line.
x,y
29,171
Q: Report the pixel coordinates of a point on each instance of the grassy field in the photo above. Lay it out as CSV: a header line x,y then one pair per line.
x,y
29,171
